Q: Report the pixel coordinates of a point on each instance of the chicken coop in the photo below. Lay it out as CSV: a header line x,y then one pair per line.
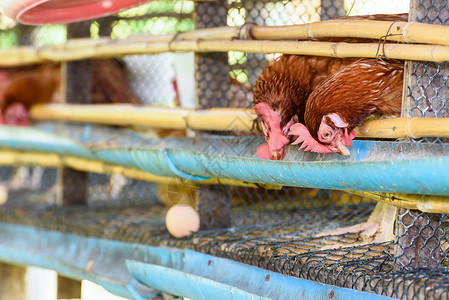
x,y
115,112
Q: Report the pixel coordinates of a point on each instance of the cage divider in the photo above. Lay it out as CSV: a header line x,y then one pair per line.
x,y
253,70
211,90
74,182
419,235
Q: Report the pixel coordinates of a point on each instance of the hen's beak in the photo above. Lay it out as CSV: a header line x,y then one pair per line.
x,y
342,149
277,154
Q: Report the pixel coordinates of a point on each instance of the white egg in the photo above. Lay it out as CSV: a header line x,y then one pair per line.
x,y
181,220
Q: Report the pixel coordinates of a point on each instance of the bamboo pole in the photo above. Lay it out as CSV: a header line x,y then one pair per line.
x,y
50,160
370,50
404,128
221,39
407,32
113,114
220,119
29,55
156,117
424,203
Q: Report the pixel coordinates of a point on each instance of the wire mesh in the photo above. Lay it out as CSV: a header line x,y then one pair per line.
x,y
277,240
420,239
25,184
428,88
420,236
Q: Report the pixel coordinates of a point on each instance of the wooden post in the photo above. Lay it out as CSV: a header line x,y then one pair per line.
x,y
212,90
105,26
78,72
25,34
419,235
74,185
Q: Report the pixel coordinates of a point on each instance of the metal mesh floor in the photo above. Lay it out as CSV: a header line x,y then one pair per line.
x,y
281,241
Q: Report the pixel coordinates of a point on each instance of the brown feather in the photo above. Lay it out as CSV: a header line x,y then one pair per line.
x,y
283,89
365,87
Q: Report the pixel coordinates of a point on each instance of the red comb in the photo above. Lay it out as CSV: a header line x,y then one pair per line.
x,y
263,151
266,113
16,114
276,138
308,142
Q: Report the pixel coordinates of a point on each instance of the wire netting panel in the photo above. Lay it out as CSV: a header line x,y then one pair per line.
x,y
421,237
428,88
24,184
281,241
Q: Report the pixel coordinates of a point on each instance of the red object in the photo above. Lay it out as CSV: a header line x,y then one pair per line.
x,y
38,12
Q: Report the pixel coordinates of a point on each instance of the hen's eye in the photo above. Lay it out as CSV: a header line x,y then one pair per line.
x,y
326,135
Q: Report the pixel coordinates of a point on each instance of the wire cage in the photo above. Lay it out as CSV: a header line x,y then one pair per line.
x,y
272,228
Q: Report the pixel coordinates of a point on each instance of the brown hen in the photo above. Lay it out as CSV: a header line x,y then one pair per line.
x,y
280,96
345,100
282,90
24,88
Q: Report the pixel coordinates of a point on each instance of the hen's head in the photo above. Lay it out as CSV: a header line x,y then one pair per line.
x,y
16,114
275,135
333,136
280,95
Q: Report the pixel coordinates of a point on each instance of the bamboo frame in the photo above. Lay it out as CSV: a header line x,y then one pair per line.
x,y
50,160
408,32
404,128
29,55
113,114
220,119
156,117
268,40
424,203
